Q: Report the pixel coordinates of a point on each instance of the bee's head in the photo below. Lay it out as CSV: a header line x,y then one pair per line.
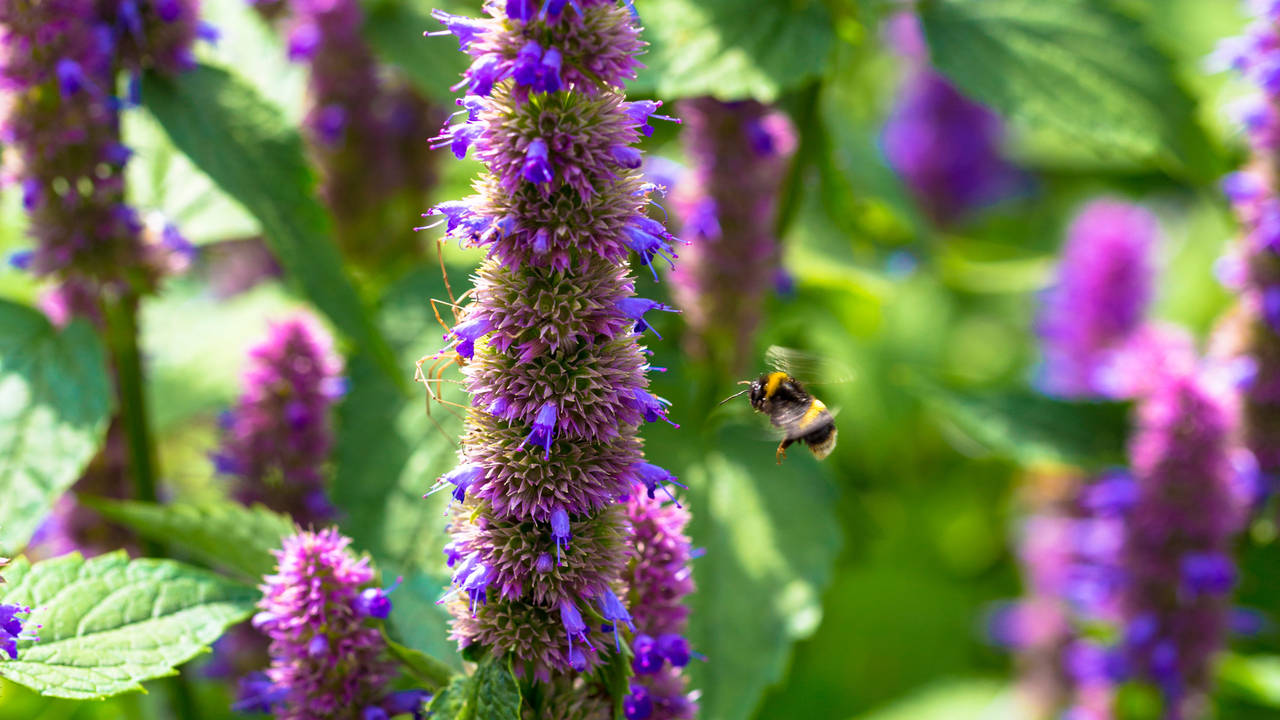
x,y
759,392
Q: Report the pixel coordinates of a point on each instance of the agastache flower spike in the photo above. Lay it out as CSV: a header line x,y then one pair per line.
x,y
1251,267
727,204
559,210
324,659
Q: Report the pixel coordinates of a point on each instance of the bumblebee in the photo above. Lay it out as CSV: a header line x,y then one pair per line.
x,y
799,416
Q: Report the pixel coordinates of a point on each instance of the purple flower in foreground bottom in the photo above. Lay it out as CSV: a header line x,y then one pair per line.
x,y
324,659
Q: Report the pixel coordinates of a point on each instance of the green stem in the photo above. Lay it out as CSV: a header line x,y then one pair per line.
x,y
122,336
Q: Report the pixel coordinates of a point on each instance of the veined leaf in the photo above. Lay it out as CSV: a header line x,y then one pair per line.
x,y
1074,67
225,534
54,400
243,143
1030,428
108,624
490,694
732,49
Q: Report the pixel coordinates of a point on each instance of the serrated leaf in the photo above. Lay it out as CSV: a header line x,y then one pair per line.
x,y
771,538
732,49
224,534
1077,68
55,396
495,693
1030,428
109,624
244,144
427,670
450,703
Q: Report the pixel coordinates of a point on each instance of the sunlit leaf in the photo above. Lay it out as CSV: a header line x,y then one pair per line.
x,y
54,399
1077,68
108,624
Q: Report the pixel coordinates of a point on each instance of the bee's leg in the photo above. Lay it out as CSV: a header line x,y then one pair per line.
x,y
782,449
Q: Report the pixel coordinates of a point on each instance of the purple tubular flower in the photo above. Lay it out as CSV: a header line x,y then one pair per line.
x,y
1179,533
467,332
638,705
653,477
652,407
560,364
277,438
461,477
11,626
635,308
323,657
373,602
1092,315
727,204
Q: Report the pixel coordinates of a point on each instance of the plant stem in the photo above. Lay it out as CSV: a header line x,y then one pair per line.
x,y
122,336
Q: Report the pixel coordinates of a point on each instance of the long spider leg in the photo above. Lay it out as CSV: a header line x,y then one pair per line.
x,y
443,272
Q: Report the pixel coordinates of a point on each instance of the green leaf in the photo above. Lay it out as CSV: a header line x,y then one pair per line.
x,y
395,29
244,144
55,396
224,534
496,693
1254,677
1030,428
616,677
1075,68
732,49
491,693
771,536
956,700
108,624
427,670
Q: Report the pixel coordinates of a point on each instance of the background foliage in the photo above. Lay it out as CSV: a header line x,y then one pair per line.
x,y
853,588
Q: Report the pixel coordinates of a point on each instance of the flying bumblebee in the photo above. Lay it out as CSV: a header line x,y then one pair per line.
x,y
780,395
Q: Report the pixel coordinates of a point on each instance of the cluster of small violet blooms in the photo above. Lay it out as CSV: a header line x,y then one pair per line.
x,y
1251,267
60,62
327,654
369,130
549,343
946,147
1144,550
12,627
276,440
727,205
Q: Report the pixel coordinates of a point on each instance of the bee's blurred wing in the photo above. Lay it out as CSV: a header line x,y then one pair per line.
x,y
808,368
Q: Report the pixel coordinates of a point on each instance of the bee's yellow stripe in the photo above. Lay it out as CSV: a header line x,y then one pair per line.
x,y
811,415
775,379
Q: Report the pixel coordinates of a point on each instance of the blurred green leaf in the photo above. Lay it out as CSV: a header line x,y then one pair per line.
x,y
1254,677
107,624
225,534
54,400
732,49
425,669
232,133
771,538
1030,428
964,700
1077,68
395,29
388,453
449,703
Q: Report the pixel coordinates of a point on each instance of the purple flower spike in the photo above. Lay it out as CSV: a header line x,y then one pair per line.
x,y
537,168
322,655
560,531
544,429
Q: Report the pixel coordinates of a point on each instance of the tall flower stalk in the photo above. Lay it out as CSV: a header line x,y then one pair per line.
x,y
369,132
549,343
728,206
1252,266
